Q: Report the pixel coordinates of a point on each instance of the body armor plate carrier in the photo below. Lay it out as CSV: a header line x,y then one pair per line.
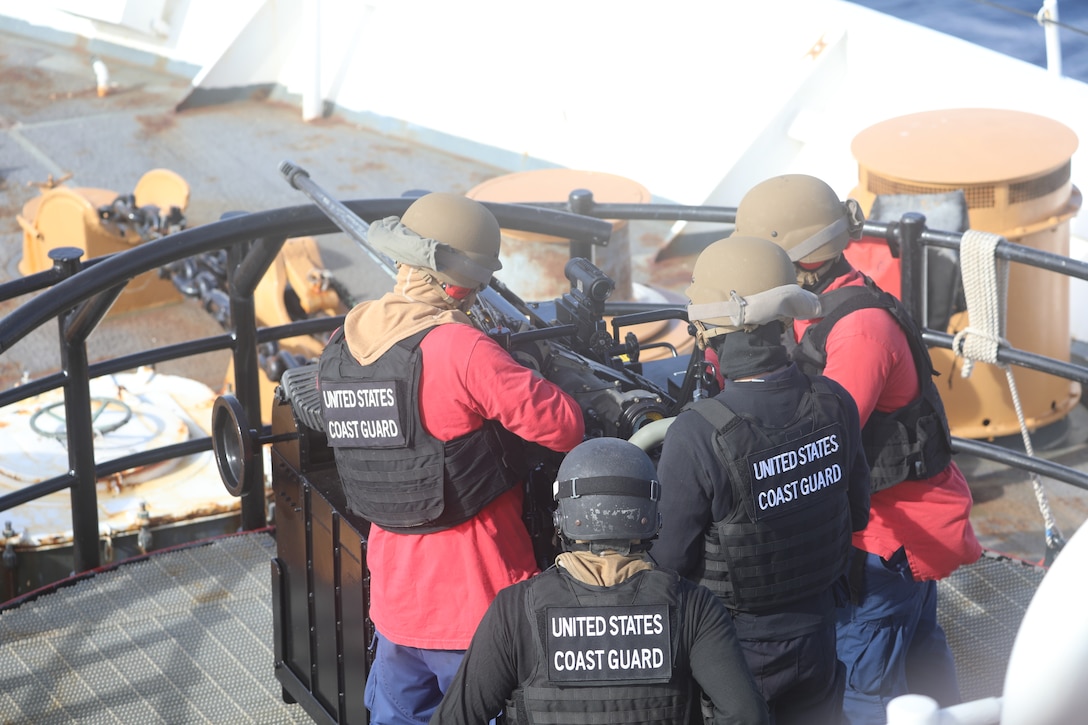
x,y
911,443
605,656
789,533
394,473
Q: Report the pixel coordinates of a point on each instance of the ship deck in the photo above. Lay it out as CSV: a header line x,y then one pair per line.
x,y
186,635
183,636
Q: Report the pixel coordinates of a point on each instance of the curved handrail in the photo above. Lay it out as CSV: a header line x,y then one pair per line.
x,y
286,222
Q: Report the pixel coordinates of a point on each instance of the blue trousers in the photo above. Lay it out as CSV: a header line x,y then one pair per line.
x,y
406,684
891,642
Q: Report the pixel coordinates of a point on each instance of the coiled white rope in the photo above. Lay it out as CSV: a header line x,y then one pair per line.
x,y
985,286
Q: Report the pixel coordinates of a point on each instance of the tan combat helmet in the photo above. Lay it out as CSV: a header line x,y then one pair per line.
x,y
801,214
740,283
467,234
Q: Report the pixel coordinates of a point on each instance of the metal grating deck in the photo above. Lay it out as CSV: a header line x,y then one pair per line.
x,y
980,608
181,637
185,636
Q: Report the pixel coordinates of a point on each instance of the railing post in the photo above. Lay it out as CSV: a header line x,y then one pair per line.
x,y
247,385
247,264
581,201
913,254
77,416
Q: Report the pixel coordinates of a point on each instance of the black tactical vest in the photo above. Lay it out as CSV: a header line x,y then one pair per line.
x,y
394,473
605,656
789,533
911,443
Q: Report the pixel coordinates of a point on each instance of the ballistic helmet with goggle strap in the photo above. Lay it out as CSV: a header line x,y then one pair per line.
x,y
801,214
455,237
739,283
607,490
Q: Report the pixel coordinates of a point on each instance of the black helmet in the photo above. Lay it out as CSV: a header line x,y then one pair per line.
x,y
607,490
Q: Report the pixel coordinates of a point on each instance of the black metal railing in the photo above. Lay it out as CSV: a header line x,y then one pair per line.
x,y
78,294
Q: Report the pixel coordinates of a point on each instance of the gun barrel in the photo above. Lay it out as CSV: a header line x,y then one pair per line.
x,y
348,221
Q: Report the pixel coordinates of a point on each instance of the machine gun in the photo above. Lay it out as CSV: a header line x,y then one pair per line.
x,y
566,340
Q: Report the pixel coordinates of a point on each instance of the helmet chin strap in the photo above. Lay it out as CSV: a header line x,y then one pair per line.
x,y
622,547
462,297
465,304
461,301
702,339
809,277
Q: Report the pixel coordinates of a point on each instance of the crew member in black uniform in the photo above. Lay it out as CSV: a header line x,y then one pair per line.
x,y
604,635
763,484
919,532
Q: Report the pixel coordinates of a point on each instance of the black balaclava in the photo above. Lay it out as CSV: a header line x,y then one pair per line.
x,y
744,354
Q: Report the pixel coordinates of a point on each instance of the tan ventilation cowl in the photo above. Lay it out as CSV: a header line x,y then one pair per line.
x,y
1014,170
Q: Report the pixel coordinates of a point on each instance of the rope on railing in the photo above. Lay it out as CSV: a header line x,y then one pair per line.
x,y
985,286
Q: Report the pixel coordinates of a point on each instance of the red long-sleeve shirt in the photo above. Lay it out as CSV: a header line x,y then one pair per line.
x,y
868,354
431,590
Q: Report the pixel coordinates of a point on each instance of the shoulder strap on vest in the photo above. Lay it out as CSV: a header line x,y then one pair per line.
x,y
834,306
839,303
409,343
717,413
914,441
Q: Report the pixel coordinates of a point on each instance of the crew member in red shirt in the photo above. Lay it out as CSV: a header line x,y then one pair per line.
x,y
919,529
427,415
